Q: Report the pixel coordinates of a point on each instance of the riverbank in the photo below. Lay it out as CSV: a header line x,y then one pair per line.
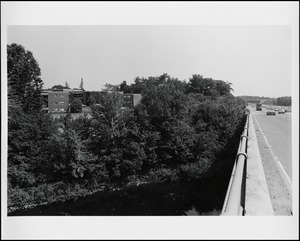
x,y
198,197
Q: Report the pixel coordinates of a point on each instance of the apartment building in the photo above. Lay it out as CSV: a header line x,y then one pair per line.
x,y
77,94
59,100
88,96
44,96
131,100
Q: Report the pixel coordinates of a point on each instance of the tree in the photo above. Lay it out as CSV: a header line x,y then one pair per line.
x,y
58,87
28,136
110,87
137,86
284,101
76,106
91,100
109,112
81,84
114,137
161,116
67,85
223,88
24,78
208,86
124,87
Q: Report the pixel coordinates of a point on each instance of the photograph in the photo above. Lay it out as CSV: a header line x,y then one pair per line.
x,y
126,123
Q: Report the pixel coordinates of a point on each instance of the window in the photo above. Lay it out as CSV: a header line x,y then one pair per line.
x,y
55,103
62,96
55,95
62,109
55,109
61,103
78,95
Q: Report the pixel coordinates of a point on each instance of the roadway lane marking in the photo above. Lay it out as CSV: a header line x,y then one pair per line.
x,y
284,175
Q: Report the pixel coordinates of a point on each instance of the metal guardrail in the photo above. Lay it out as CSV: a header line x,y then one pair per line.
x,y
234,204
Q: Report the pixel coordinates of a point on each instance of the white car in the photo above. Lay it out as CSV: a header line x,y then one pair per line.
x,y
281,111
271,112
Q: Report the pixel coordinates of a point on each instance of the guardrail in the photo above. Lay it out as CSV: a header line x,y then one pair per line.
x,y
234,204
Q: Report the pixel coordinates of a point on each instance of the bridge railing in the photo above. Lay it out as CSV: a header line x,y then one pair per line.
x,y
234,204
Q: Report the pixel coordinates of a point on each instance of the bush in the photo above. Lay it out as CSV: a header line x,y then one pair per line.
x,y
17,198
76,106
164,175
194,170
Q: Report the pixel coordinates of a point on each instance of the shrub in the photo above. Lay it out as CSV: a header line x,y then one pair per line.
x,y
17,198
163,175
76,106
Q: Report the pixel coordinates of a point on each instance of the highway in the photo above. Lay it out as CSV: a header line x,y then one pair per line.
x,y
277,131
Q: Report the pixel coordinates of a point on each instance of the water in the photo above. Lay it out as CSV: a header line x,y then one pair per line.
x,y
203,198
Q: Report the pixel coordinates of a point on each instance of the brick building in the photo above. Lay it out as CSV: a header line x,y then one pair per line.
x,y
90,96
77,94
131,100
59,100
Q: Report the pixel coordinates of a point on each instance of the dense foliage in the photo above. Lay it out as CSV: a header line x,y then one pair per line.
x,y
76,106
284,101
24,81
177,132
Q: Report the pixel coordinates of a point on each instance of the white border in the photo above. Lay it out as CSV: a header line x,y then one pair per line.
x,y
144,13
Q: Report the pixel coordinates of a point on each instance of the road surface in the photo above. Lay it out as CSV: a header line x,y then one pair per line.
x,y
274,141
277,130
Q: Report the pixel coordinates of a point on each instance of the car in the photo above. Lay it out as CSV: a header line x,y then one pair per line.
x,y
271,112
281,111
276,109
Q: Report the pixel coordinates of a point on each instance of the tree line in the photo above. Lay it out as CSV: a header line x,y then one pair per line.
x,y
284,101
281,101
177,132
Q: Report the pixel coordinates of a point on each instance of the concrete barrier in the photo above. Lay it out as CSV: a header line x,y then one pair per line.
x,y
257,198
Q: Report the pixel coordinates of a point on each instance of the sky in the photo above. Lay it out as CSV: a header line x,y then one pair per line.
x,y
255,59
